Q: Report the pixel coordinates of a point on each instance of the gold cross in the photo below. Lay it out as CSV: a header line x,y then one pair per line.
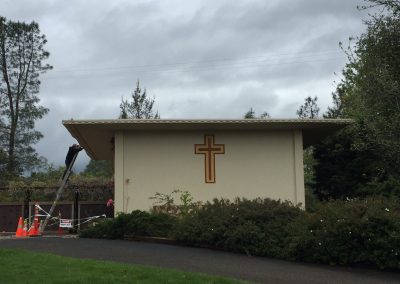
x,y
209,150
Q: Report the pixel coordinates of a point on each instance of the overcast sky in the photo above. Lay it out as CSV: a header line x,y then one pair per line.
x,y
199,59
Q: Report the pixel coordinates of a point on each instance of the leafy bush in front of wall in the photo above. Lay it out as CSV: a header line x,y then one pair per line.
x,y
350,232
137,223
249,226
142,223
354,232
108,228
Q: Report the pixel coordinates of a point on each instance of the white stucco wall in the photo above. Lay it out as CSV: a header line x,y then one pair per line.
x,y
255,164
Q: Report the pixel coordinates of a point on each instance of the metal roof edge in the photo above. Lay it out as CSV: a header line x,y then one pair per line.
x,y
205,121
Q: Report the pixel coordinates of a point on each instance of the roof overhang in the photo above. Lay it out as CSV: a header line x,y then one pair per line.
x,y
96,135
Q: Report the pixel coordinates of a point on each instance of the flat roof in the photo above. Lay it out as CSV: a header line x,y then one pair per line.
x,y
95,135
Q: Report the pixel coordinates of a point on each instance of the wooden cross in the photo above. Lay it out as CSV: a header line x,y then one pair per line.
x,y
209,150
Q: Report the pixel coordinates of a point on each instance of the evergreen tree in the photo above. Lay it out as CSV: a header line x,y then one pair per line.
x,y
265,115
252,115
309,109
141,106
21,61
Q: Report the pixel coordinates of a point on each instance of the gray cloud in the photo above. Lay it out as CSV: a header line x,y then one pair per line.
x,y
200,59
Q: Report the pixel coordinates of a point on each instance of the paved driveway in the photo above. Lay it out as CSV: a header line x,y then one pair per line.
x,y
253,269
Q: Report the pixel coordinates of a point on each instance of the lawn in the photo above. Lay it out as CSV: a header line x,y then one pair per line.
x,y
19,266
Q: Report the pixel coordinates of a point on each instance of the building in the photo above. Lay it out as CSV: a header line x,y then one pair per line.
x,y
209,158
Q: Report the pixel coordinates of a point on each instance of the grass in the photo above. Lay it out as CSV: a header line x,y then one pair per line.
x,y
19,266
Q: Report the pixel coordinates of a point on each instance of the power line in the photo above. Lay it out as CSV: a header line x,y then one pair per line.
x,y
265,57
169,68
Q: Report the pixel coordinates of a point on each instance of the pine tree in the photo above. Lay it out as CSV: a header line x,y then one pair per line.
x,y
251,114
141,106
309,109
21,62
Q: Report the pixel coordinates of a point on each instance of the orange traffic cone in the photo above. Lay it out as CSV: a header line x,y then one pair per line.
x,y
19,233
34,229
25,229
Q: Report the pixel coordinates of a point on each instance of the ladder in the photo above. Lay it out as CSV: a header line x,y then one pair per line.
x,y
64,181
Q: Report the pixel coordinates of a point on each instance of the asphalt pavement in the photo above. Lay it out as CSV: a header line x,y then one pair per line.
x,y
252,269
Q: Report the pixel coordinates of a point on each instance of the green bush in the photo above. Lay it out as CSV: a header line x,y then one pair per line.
x,y
354,232
248,226
142,223
137,223
107,228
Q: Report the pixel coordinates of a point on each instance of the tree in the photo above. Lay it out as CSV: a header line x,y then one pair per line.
x,y
141,106
392,6
371,81
99,168
252,115
365,157
309,109
49,174
338,110
21,62
370,87
342,171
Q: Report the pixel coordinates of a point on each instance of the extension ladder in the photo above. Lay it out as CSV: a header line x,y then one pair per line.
x,y
64,181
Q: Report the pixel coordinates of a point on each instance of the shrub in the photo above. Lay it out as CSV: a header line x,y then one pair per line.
x,y
249,226
245,238
108,228
137,223
101,230
165,203
352,232
143,223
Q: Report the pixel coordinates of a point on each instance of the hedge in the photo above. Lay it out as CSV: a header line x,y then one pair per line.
x,y
355,232
137,223
352,232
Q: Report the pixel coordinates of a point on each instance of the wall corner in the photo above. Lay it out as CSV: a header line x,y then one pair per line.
x,y
298,168
119,188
